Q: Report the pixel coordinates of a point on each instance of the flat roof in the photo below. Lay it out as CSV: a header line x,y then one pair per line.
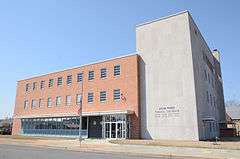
x,y
162,18
74,67
233,112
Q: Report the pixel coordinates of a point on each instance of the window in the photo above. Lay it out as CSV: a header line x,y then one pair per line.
x,y
209,78
53,125
41,103
68,100
79,77
117,70
27,87
25,106
196,32
34,86
42,84
50,84
213,82
90,75
59,81
211,99
69,79
116,94
103,72
58,100
207,97
90,97
49,102
214,101
205,74
79,99
34,103
103,96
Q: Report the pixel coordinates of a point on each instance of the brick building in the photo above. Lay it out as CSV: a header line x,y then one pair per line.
x,y
107,90
171,88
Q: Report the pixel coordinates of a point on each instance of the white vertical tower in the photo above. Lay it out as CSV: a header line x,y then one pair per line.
x,y
172,85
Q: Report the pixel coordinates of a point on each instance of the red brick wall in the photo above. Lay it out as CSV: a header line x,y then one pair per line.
x,y
127,82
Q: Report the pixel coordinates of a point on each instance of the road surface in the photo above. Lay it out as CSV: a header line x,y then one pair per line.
x,y
23,152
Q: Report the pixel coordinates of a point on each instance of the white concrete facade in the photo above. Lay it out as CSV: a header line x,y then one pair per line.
x,y
177,101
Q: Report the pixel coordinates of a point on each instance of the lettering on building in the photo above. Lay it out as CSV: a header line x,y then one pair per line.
x,y
167,111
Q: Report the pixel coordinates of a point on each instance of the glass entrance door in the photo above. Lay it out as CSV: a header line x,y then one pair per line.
x,y
107,130
119,130
115,126
113,130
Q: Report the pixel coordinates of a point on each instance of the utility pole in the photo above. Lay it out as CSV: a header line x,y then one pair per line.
x,y
80,113
80,124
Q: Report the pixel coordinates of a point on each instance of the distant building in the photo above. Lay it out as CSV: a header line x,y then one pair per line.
x,y
234,113
171,88
6,122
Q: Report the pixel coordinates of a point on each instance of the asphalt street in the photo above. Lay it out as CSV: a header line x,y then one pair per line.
x,y
23,152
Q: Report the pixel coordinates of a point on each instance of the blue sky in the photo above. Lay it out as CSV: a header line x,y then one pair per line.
x,y
37,37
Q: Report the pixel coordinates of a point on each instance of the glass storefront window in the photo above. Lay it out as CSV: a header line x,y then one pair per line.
x,y
119,117
113,126
107,118
113,118
64,126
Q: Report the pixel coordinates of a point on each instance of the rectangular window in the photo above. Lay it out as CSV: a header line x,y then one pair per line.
x,y
90,97
68,100
103,73
49,102
213,82
79,77
207,97
79,99
34,86
42,84
209,78
69,79
59,81
90,75
41,103
205,74
50,83
103,96
34,103
211,99
214,101
116,94
58,100
27,87
25,106
117,70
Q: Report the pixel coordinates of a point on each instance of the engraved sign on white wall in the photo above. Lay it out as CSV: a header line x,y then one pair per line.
x,y
167,111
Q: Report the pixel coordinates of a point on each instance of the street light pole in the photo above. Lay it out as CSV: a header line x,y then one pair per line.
x,y
80,113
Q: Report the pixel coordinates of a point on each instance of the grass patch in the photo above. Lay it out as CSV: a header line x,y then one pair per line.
x,y
233,145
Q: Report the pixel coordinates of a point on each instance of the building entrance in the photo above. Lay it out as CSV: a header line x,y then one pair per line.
x,y
115,126
95,127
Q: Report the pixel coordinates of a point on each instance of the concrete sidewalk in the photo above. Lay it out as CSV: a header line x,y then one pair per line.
x,y
106,147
